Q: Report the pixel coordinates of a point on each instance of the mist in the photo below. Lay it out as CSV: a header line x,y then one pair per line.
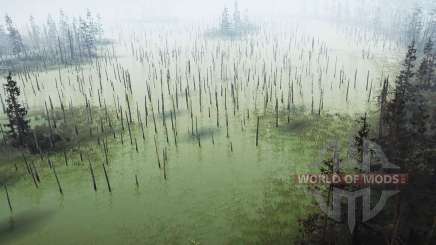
x,y
113,11
217,122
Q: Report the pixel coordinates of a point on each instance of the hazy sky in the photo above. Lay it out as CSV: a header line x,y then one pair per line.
x,y
20,10
115,9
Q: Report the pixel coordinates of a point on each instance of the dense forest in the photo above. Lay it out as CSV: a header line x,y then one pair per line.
x,y
60,41
406,131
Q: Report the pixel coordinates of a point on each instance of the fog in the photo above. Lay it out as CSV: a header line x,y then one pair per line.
x,y
113,10
190,121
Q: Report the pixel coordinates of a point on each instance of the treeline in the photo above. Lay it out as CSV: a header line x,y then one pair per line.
x,y
420,28
408,114
391,21
406,133
408,137
61,40
232,24
381,19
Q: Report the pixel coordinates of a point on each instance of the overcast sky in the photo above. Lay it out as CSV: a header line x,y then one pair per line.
x,y
20,10
115,9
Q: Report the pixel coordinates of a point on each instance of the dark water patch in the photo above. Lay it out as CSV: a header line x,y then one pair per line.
x,y
297,125
22,223
167,115
202,133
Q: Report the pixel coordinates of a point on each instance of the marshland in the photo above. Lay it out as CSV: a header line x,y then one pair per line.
x,y
164,123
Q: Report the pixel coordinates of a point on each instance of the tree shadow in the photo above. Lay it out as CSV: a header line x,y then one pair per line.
x,y
19,224
202,133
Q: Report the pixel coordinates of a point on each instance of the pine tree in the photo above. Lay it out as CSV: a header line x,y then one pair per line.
x,y
430,30
52,34
14,36
360,138
34,33
419,118
99,28
63,25
419,106
426,69
415,26
382,104
3,41
403,84
75,39
237,23
397,118
88,33
225,22
18,126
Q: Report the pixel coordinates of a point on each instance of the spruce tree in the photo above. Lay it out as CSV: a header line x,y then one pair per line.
x,y
18,124
52,34
407,74
225,22
360,138
426,69
415,26
34,33
237,18
14,37
403,84
398,117
88,34
3,41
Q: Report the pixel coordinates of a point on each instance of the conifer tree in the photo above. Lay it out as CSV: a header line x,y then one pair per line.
x,y
18,126
225,22
237,18
397,118
51,34
88,33
403,84
360,138
3,41
415,26
34,33
426,69
14,36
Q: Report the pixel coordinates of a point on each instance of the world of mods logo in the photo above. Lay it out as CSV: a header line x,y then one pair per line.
x,y
351,193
